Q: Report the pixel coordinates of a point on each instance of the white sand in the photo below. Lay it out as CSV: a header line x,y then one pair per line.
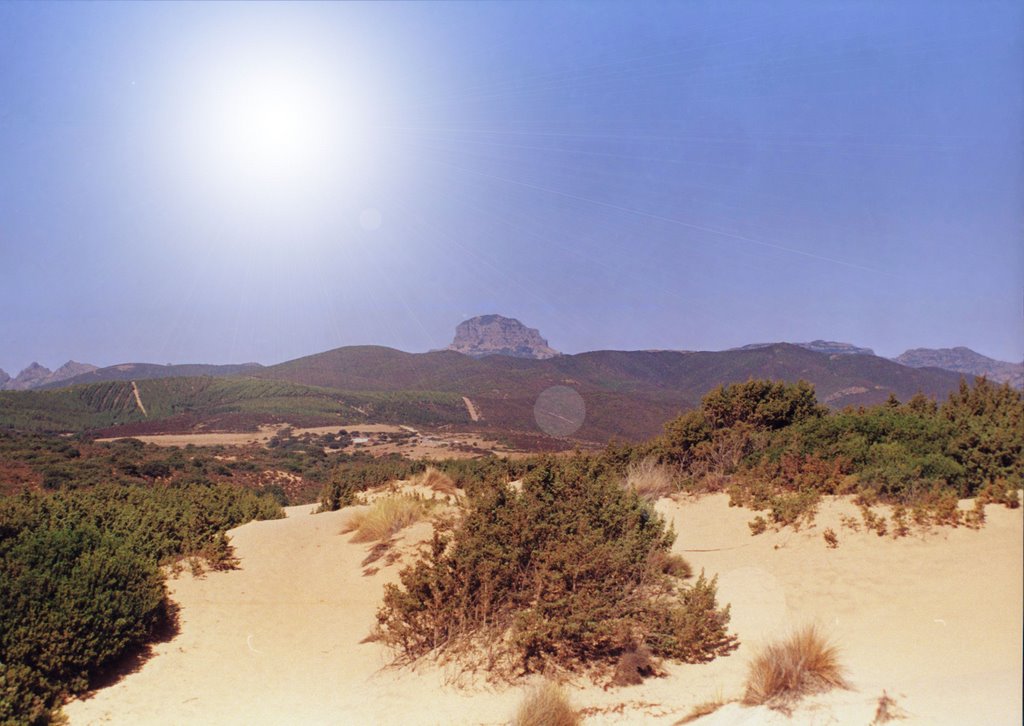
x,y
936,621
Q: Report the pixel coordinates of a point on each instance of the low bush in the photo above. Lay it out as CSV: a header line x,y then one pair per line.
x,y
633,666
359,473
336,495
778,451
799,665
758,525
473,474
80,579
567,573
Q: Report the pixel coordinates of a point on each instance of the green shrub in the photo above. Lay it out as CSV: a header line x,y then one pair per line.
x,y
762,404
778,451
74,600
80,583
336,495
568,572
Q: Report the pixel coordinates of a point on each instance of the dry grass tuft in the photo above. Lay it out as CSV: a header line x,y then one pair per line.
x,y
701,710
385,517
546,705
785,671
435,479
650,479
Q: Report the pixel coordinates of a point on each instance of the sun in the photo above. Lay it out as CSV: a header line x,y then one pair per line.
x,y
271,123
271,129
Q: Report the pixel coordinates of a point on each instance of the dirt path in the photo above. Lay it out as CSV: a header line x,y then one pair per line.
x,y
474,415
138,399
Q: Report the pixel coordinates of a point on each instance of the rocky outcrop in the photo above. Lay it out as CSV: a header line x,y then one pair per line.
x,y
70,370
965,360
498,335
36,376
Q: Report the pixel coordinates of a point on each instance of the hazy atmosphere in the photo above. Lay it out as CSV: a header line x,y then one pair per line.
x,y
551,363
230,183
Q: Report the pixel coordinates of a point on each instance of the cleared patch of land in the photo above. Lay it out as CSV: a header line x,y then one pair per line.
x,y
241,438
372,438
933,620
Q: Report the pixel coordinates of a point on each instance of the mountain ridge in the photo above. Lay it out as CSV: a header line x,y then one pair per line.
x,y
628,394
829,347
151,371
964,360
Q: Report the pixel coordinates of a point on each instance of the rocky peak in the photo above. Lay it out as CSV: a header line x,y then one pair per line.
x,y
70,370
31,377
498,335
36,375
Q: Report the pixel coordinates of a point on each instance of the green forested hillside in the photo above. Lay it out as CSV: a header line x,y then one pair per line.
x,y
179,403
628,394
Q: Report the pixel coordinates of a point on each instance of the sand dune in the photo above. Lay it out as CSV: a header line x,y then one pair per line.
x,y
933,620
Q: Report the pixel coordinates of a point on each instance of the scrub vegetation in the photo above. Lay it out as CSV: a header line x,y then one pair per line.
x,y
569,571
775,450
81,583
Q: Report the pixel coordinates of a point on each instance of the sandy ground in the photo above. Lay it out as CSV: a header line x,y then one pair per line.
x,y
934,620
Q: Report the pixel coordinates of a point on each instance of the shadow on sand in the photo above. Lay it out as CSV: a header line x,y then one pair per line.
x,y
137,657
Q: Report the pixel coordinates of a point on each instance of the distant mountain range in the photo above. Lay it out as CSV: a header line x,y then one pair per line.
x,y
627,394
959,359
148,371
497,363
36,376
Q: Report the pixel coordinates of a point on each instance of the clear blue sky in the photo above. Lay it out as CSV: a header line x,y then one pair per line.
x,y
226,183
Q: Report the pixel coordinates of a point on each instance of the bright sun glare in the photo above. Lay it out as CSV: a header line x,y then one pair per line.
x,y
272,128
270,122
